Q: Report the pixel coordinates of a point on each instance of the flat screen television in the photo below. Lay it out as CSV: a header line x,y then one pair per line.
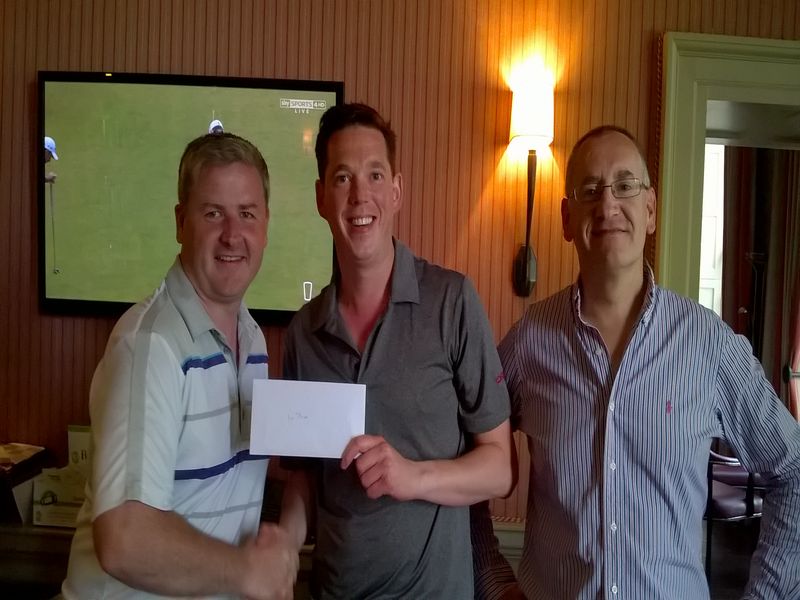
x,y
108,184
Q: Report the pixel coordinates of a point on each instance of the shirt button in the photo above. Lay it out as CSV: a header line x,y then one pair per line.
x,y
611,407
598,351
613,466
614,527
613,589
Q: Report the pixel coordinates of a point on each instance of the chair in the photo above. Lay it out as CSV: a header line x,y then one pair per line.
x,y
730,471
733,495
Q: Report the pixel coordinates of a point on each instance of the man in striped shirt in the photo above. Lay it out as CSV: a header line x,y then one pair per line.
x,y
174,501
621,386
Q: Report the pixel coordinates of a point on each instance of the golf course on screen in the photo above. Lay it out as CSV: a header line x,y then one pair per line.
x,y
108,221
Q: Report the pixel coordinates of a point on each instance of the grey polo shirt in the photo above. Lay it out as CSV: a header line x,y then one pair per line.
x,y
432,375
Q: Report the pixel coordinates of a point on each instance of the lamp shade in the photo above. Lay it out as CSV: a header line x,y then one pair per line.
x,y
532,116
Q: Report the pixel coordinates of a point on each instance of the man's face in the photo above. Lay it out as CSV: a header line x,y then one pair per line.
x,y
608,232
222,229
48,156
359,196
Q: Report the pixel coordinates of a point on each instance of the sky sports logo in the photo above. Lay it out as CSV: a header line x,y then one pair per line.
x,y
303,106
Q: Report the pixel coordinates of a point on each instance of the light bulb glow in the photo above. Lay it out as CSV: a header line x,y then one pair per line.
x,y
532,105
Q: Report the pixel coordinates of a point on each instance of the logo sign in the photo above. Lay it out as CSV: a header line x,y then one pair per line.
x,y
303,106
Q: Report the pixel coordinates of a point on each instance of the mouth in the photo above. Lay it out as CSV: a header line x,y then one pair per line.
x,y
361,221
609,231
228,258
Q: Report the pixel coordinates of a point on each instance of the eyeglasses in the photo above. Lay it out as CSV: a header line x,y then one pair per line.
x,y
621,188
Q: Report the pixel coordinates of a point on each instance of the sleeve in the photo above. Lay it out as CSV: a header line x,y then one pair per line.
x,y
478,376
766,440
492,573
509,358
136,406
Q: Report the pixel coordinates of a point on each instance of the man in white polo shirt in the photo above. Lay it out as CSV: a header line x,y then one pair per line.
x,y
174,500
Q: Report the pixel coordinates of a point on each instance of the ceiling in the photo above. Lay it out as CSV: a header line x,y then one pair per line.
x,y
754,125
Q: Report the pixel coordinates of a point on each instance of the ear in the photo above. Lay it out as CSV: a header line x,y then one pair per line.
x,y
179,219
319,190
651,211
397,191
565,221
266,228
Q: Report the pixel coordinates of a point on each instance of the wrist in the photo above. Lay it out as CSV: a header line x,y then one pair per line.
x,y
241,575
423,480
297,535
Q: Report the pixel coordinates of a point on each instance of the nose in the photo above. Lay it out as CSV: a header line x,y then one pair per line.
x,y
358,191
608,204
231,230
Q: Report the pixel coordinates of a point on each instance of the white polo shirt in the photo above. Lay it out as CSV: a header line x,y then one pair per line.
x,y
170,416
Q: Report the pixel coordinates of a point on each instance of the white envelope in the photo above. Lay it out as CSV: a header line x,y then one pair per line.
x,y
305,418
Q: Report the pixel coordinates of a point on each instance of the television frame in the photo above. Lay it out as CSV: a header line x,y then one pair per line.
x,y
91,307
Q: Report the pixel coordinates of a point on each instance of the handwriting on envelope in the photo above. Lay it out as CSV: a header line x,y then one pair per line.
x,y
305,418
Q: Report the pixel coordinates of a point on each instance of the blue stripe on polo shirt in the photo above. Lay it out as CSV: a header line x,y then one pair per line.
x,y
257,359
194,362
206,472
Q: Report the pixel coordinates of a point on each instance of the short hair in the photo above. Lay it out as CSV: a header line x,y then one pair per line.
x,y
596,133
341,116
218,149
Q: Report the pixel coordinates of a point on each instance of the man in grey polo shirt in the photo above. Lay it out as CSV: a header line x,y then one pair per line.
x,y
392,516
174,500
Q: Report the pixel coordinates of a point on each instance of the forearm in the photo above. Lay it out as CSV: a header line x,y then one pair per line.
x,y
776,560
482,473
159,552
487,471
296,506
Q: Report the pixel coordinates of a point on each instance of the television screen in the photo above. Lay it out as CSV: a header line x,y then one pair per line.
x,y
110,145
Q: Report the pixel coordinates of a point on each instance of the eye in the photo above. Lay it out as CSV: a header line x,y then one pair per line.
x,y
376,176
340,178
588,191
626,185
246,214
213,213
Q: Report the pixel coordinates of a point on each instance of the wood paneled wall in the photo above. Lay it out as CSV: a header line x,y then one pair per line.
x,y
436,68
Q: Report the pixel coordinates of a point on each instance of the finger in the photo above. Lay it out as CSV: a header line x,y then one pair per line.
x,y
372,457
377,489
368,476
271,534
266,531
358,445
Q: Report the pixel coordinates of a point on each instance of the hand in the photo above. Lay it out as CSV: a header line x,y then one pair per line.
x,y
50,177
381,469
272,563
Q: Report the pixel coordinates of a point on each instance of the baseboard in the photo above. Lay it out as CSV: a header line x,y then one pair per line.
x,y
510,535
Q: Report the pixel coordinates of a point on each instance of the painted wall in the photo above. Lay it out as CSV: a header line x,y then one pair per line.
x,y
436,68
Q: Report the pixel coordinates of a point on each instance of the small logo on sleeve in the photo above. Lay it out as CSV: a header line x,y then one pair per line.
x,y
500,378
669,407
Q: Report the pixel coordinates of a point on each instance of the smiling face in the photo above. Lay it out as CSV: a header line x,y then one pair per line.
x,y
609,233
359,196
222,229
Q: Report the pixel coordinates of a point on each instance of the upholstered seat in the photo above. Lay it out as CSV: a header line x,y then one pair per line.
x,y
729,503
736,476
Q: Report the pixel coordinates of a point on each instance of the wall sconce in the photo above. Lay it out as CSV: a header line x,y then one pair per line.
x,y
531,128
